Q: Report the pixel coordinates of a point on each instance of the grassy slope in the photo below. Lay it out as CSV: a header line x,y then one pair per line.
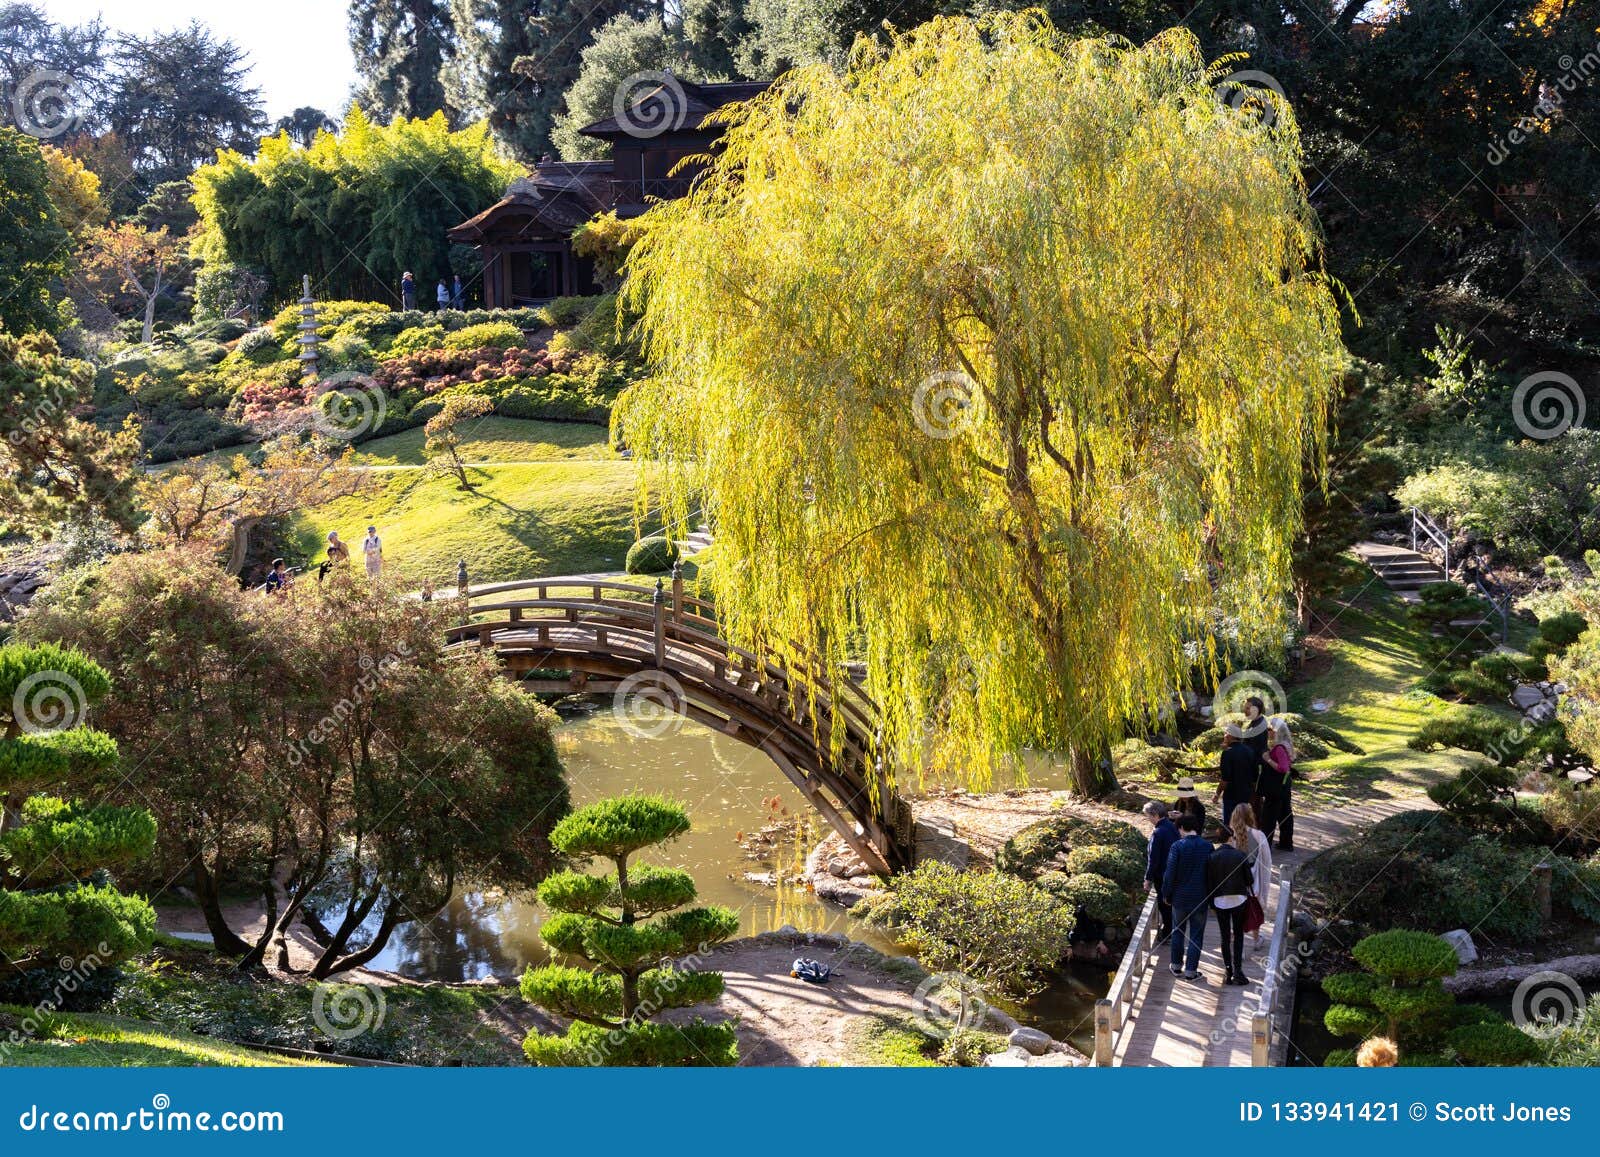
x,y
82,1040
534,517
1371,685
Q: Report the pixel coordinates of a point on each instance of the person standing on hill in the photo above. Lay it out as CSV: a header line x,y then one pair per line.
x,y
408,292
458,294
338,555
372,550
442,295
1183,886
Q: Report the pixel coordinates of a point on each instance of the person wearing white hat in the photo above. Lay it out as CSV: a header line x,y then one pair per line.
x,y
1189,802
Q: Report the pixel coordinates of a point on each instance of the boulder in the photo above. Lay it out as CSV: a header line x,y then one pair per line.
x,y
1525,695
1012,1058
1031,1040
1461,940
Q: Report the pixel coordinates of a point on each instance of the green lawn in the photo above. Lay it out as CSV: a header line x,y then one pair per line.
x,y
1371,687
518,522
495,439
84,1040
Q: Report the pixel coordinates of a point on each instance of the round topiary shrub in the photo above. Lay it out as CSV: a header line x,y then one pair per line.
x,y
1349,1020
1498,1044
1095,896
1407,957
1111,833
1119,865
490,335
651,555
1351,988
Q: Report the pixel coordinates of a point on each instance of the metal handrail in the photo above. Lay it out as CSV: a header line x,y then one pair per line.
x,y
1432,531
1109,1020
1265,1025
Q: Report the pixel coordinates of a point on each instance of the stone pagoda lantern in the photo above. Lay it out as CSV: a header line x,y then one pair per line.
x,y
308,331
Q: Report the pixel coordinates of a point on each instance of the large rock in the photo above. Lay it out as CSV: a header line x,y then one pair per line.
x,y
1525,695
1012,1058
1461,940
1035,1042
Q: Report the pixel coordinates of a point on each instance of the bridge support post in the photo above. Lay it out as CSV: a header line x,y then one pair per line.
x,y
1104,1039
677,593
660,601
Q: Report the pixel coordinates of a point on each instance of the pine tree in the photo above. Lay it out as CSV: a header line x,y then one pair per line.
x,y
401,49
519,57
603,920
56,898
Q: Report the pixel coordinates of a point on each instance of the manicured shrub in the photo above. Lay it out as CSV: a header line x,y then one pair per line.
x,y
1026,853
259,344
629,925
490,335
1406,957
1561,631
1499,1044
1114,833
651,555
1136,760
1119,865
995,928
1481,792
1095,896
563,312
422,337
1351,987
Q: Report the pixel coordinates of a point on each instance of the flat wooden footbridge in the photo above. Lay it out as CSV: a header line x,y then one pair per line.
x,y
661,654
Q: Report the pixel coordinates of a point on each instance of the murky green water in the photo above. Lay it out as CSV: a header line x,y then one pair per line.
x,y
731,791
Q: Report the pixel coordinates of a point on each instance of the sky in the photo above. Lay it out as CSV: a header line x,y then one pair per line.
x,y
299,49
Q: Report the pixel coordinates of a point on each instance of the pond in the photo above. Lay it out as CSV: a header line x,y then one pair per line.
x,y
732,792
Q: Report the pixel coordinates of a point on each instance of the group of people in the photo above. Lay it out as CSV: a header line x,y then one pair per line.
x,y
1192,877
448,296
279,578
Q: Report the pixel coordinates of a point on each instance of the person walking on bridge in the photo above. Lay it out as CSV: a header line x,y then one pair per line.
x,y
1183,886
1162,837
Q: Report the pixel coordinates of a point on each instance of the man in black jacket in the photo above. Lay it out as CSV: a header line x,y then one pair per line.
x,y
1241,769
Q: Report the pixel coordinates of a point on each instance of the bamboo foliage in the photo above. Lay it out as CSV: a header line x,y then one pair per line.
x,y
994,362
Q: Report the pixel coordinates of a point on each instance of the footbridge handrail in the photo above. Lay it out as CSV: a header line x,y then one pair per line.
x,y
1110,1018
1269,1024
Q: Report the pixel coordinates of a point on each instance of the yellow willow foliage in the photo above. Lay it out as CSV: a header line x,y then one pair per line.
x,y
994,362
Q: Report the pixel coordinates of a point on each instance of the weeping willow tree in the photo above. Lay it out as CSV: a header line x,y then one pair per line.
x,y
994,362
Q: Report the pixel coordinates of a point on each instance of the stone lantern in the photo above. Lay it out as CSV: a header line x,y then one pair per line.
x,y
308,331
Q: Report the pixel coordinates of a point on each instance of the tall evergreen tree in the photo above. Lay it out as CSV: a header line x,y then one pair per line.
x,y
518,58
179,97
401,49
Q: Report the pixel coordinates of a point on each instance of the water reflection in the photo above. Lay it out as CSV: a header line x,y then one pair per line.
x,y
730,790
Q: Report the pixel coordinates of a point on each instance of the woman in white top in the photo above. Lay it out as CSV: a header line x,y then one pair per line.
x,y
1252,841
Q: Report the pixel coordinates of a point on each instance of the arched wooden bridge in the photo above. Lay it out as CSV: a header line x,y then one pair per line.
x,y
662,648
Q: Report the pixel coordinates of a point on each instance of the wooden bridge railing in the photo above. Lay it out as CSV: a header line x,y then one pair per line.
x,y
1110,1015
1270,1021
822,732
